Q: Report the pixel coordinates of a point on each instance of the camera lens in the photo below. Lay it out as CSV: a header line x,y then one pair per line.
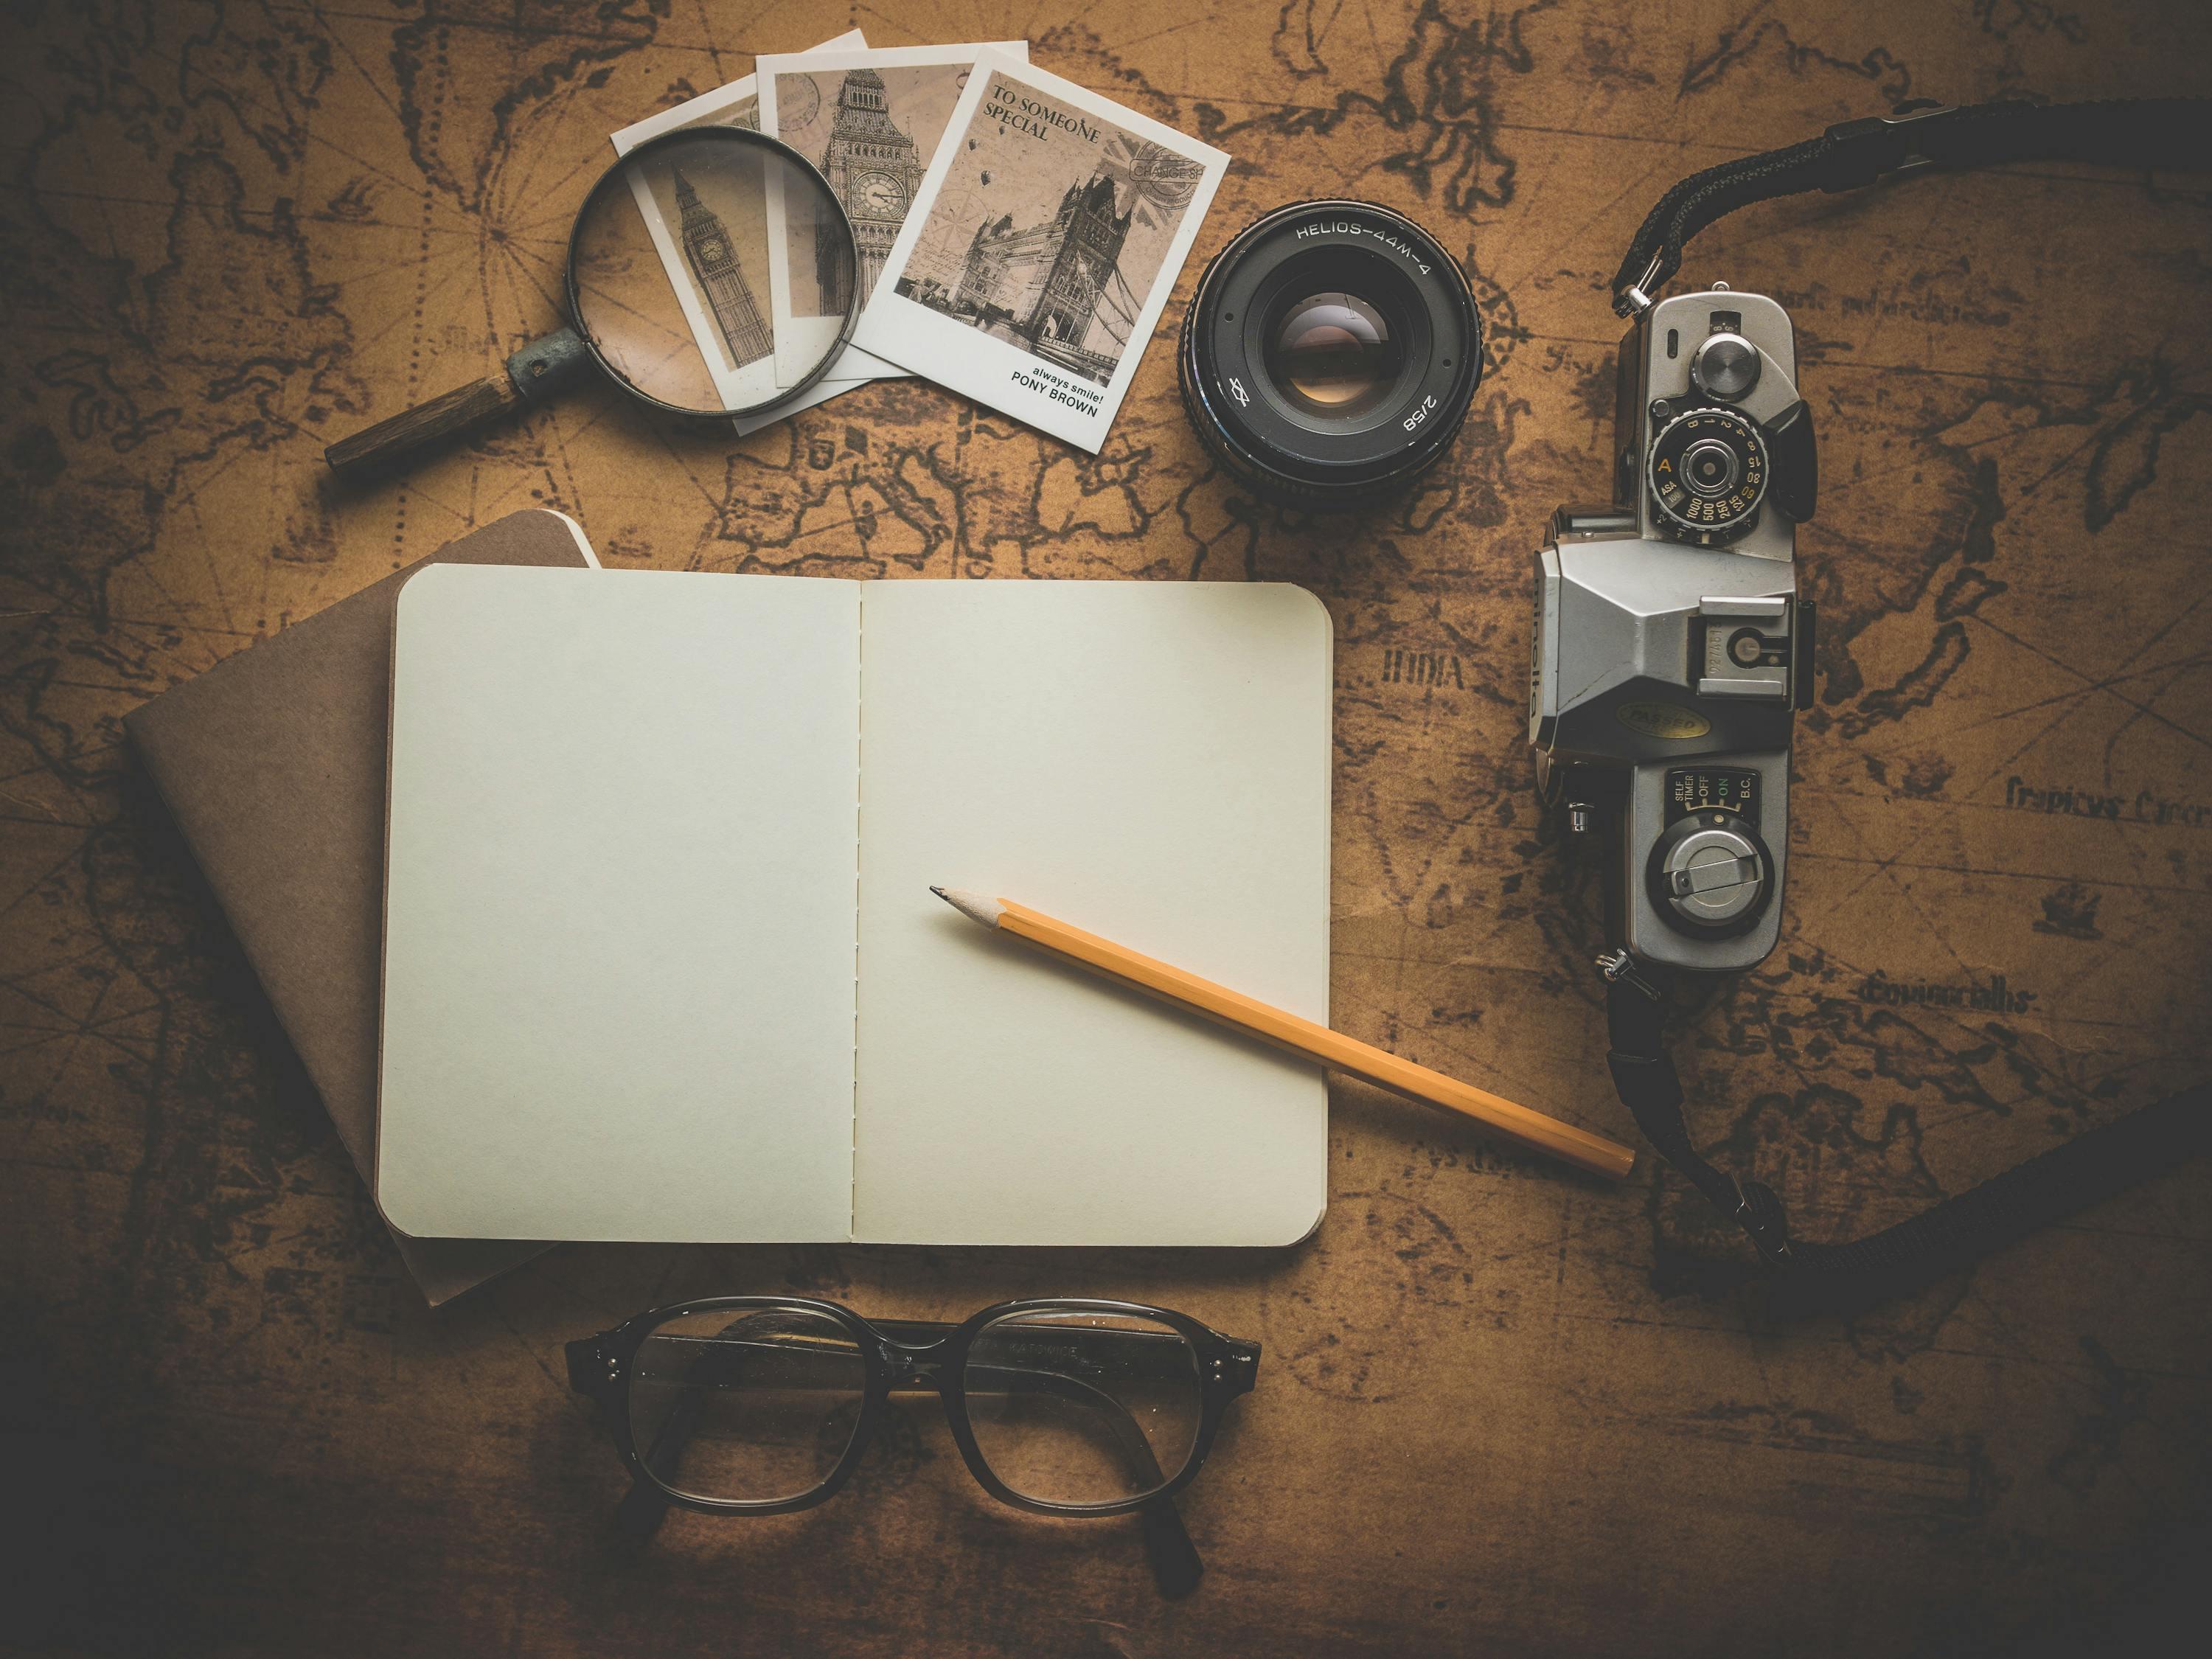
x,y
1335,354
1330,354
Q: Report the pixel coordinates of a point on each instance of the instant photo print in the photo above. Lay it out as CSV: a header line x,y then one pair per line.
x,y
1033,270
872,120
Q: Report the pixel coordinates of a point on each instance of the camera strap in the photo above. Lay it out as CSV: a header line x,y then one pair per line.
x,y
2146,133
1804,1277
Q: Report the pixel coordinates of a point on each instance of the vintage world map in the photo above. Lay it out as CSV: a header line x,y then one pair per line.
x,y
1499,1409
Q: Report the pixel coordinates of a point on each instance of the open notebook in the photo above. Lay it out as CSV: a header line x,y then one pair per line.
x,y
661,961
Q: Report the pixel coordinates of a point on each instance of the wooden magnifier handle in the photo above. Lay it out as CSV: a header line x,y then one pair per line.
x,y
539,370
447,416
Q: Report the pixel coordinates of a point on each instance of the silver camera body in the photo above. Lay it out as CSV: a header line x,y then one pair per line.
x,y
1671,650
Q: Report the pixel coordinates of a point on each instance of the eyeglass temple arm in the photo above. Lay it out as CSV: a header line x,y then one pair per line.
x,y
589,1360
1244,1356
644,1506
1177,1565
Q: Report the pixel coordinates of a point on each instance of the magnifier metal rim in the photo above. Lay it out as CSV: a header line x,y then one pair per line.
x,y
608,179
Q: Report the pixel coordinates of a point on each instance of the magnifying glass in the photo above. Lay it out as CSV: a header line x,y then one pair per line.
x,y
668,293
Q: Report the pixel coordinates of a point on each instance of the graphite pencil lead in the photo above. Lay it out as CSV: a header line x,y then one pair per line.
x,y
974,906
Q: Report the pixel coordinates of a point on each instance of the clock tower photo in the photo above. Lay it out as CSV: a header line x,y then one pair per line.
x,y
874,169
707,250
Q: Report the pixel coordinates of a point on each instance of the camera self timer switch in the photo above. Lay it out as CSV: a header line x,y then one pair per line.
x,y
1711,874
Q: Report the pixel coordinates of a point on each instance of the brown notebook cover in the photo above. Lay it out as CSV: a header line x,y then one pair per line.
x,y
273,764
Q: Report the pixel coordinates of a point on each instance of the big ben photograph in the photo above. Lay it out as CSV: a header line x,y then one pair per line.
x,y
721,276
871,119
709,223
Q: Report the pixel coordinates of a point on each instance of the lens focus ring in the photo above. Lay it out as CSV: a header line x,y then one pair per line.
x,y
1330,354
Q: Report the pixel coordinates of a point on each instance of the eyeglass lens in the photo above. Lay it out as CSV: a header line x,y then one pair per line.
x,y
1077,1408
756,1408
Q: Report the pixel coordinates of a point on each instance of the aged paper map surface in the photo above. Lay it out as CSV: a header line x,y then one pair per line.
x,y
1495,1412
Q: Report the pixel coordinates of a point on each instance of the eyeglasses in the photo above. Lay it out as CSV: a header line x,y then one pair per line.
x,y
758,1405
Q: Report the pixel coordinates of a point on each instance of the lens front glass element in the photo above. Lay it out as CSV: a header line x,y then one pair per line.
x,y
1079,1407
669,271
746,1405
1334,353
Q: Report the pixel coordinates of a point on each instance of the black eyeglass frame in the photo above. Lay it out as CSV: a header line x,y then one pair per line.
x,y
601,1367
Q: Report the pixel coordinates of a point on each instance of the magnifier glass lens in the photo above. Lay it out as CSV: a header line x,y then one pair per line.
x,y
670,277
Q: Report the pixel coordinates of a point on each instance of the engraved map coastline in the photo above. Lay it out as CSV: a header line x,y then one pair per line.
x,y
241,232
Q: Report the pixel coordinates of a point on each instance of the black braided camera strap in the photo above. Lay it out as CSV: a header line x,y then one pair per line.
x,y
1805,1277
2146,133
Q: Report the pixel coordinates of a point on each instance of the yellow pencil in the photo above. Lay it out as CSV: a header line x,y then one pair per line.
x,y
1330,1048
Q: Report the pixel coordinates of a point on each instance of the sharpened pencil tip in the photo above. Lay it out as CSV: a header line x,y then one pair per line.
x,y
974,906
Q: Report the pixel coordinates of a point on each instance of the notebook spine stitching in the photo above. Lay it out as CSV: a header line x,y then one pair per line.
x,y
859,735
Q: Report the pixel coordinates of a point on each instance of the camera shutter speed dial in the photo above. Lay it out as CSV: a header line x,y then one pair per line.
x,y
1711,874
1708,473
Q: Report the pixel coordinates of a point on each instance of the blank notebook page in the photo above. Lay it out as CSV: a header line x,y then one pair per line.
x,y
1147,760
619,924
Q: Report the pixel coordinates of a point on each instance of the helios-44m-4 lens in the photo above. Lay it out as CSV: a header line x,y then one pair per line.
x,y
1330,353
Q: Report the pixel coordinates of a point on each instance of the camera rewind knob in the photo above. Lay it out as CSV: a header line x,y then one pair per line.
x,y
1725,367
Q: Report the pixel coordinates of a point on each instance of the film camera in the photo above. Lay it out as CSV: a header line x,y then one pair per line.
x,y
1671,649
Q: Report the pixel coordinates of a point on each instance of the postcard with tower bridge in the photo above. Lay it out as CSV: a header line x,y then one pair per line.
x,y
1034,266
715,253
872,120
